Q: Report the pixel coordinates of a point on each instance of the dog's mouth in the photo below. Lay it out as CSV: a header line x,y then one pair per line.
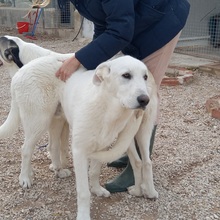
x,y
1,63
136,107
142,107
139,107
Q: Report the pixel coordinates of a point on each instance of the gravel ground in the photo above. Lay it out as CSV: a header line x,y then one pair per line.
x,y
186,161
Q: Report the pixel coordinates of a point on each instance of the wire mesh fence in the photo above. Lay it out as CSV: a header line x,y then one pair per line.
x,y
200,37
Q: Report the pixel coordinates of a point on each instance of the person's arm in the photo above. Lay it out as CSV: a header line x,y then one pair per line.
x,y
98,30
119,30
68,68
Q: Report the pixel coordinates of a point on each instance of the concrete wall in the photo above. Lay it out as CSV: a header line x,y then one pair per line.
x,y
48,22
10,16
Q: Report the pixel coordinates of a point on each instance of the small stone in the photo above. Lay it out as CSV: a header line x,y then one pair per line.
x,y
216,216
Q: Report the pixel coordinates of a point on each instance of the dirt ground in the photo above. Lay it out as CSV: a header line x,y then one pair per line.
x,y
186,161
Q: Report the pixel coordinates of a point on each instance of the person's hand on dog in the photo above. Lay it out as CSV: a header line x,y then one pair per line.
x,y
68,67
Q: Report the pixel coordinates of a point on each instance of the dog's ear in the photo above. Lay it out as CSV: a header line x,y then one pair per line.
x,y
9,51
97,80
12,54
100,73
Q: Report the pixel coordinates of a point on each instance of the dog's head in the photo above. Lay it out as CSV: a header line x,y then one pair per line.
x,y
126,79
9,51
14,53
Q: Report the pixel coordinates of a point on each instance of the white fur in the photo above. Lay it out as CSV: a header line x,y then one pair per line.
x,y
58,128
28,52
101,108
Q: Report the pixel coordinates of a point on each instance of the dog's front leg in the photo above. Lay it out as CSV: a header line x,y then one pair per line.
x,y
94,173
80,162
136,164
143,140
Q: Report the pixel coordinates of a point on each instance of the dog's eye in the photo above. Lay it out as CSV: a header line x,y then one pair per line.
x,y
127,75
145,77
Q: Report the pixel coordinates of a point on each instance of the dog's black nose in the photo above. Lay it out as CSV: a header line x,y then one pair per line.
x,y
143,100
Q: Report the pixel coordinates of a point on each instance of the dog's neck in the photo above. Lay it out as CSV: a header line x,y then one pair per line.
x,y
110,116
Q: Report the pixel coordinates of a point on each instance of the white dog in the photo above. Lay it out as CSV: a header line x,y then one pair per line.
x,y
107,108
14,53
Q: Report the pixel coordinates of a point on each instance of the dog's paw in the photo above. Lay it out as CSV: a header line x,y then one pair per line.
x,y
135,191
100,191
83,216
25,181
149,192
63,173
51,167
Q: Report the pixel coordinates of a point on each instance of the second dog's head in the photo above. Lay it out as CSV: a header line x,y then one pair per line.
x,y
14,53
9,51
126,79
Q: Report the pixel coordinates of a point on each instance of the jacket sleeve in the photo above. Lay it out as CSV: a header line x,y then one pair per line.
x,y
118,33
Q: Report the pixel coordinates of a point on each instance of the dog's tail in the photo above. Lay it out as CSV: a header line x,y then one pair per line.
x,y
12,122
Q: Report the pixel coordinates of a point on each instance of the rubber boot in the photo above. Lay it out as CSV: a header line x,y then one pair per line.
x,y
126,178
121,182
152,139
120,163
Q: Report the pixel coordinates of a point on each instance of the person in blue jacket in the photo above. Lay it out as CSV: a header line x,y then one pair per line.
x,y
145,29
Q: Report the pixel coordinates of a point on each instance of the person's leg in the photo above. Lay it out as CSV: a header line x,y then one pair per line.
x,y
157,63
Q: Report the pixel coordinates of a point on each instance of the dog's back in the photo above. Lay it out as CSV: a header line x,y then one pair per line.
x,y
14,53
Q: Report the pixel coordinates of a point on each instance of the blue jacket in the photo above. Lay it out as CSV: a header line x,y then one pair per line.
x,y
135,27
